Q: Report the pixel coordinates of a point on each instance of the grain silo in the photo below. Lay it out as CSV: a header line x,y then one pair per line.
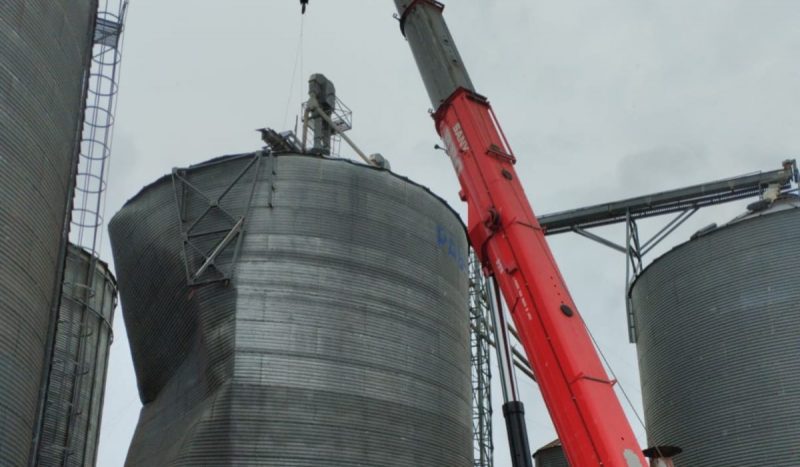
x,y
292,310
551,455
71,426
45,48
718,325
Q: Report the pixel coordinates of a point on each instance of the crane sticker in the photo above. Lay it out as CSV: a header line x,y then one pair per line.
x,y
452,150
462,140
446,241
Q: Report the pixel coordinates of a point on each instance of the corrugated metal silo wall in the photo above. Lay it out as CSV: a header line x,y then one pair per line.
x,y
44,51
718,320
342,340
550,457
80,359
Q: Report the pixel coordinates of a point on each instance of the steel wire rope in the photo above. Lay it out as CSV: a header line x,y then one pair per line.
x,y
619,383
298,59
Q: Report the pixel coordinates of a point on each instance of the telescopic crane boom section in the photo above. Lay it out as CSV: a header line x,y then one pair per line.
x,y
507,238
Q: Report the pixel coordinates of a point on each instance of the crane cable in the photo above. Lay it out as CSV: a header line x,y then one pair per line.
x,y
298,60
619,384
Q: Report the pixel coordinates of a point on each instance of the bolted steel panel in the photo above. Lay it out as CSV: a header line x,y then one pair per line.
x,y
718,322
44,51
71,427
340,338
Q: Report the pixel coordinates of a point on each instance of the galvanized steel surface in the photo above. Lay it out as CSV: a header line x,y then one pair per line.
x,y
44,50
80,359
551,455
341,340
434,49
719,337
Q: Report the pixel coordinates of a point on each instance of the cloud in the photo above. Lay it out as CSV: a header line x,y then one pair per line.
x,y
600,100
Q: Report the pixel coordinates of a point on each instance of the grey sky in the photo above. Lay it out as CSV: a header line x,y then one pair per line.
x,y
600,100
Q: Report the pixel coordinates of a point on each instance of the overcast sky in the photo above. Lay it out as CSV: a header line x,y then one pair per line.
x,y
600,100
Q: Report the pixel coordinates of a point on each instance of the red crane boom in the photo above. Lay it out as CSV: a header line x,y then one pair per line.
x,y
507,238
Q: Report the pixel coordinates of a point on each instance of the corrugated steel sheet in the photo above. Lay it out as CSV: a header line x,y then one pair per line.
x,y
341,340
718,320
551,455
44,51
74,407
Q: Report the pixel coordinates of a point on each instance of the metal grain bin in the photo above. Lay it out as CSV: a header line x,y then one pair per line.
x,y
718,320
45,48
551,455
332,332
80,360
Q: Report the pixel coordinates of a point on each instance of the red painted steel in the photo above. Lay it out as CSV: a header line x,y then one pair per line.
x,y
511,245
